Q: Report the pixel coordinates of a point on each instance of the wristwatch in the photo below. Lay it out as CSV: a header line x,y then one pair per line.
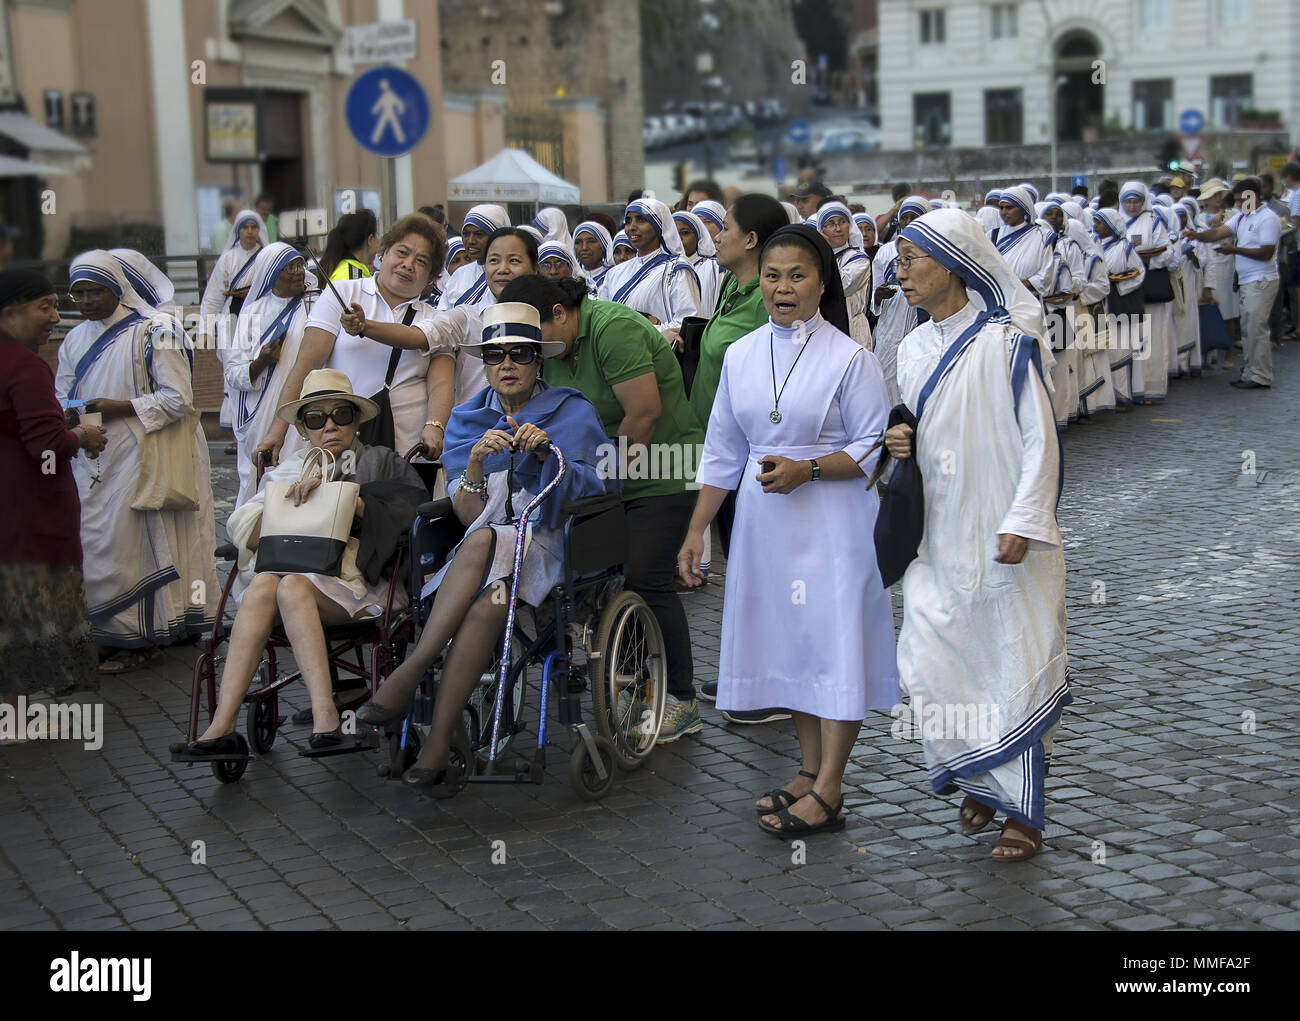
x,y
817,470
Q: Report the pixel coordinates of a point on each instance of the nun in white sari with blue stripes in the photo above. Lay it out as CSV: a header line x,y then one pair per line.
x,y
150,574
982,645
274,314
232,272
658,282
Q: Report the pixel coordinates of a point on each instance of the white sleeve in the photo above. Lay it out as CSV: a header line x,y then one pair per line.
x,y
240,356
65,371
864,408
1046,263
1033,509
172,396
213,297
683,298
446,329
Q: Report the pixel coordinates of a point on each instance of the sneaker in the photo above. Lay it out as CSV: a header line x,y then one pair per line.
x,y
680,719
755,715
629,711
709,692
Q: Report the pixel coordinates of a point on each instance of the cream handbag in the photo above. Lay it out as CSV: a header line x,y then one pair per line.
x,y
309,538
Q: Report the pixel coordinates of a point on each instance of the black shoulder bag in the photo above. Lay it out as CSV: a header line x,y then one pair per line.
x,y
380,431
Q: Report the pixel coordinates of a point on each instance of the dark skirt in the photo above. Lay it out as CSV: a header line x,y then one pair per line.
x,y
45,642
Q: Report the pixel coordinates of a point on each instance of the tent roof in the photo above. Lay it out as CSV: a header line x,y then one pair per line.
x,y
511,176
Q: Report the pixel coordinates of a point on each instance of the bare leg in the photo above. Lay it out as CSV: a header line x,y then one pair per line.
x,y
304,610
808,728
257,611
836,744
450,604
470,654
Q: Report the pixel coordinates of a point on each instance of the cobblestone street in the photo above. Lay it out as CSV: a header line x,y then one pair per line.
x,y
1172,801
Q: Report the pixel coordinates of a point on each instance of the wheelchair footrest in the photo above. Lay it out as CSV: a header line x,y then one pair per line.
x,y
186,757
367,742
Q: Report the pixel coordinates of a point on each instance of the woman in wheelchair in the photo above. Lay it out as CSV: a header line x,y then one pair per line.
x,y
327,416
497,438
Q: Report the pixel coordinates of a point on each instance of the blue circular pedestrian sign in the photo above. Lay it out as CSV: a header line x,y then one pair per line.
x,y
1190,122
387,111
798,132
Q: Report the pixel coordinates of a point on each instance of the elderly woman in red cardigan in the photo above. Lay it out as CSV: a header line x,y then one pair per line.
x,y
45,641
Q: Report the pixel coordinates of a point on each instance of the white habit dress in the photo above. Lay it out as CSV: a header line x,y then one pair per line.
x,y
982,637
806,621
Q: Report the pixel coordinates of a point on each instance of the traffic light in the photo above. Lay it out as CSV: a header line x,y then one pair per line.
x,y
679,177
1170,153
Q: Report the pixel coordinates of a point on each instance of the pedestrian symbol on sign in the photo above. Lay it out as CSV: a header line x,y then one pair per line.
x,y
387,111
390,107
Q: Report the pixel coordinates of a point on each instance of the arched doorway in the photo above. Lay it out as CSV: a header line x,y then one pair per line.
x,y
1078,98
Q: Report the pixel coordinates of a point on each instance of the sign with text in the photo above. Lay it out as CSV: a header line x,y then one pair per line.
x,y
381,42
232,122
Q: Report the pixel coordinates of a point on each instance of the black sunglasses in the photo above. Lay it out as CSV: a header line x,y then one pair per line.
x,y
315,418
522,354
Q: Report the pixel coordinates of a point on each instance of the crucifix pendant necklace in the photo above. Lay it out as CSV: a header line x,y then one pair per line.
x,y
775,414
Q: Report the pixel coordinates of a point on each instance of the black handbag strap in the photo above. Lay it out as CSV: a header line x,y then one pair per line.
x,y
396,356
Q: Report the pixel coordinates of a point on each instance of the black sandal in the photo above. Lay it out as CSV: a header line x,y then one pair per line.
x,y
782,798
792,825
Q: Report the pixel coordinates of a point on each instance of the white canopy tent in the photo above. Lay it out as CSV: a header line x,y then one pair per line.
x,y
512,176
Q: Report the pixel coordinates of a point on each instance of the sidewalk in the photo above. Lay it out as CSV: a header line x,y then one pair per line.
x,y
1184,608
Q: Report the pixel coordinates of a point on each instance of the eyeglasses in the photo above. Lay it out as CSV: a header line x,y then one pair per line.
x,y
81,297
904,262
522,354
315,418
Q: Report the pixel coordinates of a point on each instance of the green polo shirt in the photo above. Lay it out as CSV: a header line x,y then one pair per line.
x,y
740,311
615,344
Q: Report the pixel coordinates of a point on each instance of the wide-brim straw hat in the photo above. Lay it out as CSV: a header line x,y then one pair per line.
x,y
508,323
1212,187
322,383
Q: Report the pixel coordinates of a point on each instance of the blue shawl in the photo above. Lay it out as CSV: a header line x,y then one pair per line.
x,y
565,415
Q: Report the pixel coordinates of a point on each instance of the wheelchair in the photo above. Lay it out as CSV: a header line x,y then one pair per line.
x,y
385,636
588,632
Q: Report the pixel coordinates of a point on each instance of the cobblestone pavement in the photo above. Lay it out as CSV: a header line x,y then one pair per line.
x,y
1165,810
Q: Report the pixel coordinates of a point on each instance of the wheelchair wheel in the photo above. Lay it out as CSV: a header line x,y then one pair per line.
x,y
629,678
483,700
261,731
230,770
583,777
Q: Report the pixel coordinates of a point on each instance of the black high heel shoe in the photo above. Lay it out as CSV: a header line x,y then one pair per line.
x,y
443,782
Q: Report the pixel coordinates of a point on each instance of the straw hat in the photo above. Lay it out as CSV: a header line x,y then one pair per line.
x,y
322,383
509,323
1211,188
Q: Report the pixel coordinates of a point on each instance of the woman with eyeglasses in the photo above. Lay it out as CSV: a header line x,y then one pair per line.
x,y
494,439
509,252
326,416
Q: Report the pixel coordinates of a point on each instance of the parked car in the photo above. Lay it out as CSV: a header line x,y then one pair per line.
x,y
856,138
653,132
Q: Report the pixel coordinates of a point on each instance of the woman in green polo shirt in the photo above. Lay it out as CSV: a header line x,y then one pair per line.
x,y
627,369
750,221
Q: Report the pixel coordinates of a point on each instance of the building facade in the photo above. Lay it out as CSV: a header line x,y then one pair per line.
x,y
138,75
969,73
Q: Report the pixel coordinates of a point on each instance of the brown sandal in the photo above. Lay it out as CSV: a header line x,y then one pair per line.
x,y
1021,839
981,820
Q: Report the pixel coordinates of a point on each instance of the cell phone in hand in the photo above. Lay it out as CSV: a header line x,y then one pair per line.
x,y
767,466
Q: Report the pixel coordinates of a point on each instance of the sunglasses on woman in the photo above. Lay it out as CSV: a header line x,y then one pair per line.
x,y
522,354
315,418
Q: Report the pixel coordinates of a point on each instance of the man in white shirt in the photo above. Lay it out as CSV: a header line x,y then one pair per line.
x,y
1255,230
